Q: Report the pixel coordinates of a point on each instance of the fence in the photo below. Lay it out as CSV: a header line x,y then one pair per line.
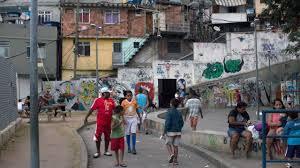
x,y
264,137
8,101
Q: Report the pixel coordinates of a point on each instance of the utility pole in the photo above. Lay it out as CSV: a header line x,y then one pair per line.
x,y
34,125
256,58
76,52
97,68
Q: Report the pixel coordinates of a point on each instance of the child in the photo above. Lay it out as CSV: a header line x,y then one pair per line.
x,y
131,118
117,136
292,128
172,131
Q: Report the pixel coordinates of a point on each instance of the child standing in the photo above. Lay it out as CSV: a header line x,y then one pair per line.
x,y
292,128
131,115
117,135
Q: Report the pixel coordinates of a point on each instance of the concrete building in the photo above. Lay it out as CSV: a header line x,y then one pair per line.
x,y
119,37
14,45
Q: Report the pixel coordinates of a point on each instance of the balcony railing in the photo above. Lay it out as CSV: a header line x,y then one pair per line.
x,y
221,18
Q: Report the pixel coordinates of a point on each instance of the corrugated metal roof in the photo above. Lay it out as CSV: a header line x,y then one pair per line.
x,y
230,2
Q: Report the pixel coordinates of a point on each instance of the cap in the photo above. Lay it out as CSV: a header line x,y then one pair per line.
x,y
104,89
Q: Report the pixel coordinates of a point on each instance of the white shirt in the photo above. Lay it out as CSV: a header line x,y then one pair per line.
x,y
20,106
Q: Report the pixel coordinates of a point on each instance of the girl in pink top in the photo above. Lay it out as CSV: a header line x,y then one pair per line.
x,y
274,124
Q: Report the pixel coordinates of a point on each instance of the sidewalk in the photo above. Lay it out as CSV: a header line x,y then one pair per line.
x,y
215,120
59,144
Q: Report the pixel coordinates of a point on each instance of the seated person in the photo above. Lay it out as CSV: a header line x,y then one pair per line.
x,y
238,119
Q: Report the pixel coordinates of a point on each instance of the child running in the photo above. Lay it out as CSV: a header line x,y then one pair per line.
x,y
117,135
131,115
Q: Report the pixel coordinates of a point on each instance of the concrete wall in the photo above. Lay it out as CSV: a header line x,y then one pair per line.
x,y
23,86
87,63
18,38
238,56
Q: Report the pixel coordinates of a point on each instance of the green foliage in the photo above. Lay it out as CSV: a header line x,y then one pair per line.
x,y
286,15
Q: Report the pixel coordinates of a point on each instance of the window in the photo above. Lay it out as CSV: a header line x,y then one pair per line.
x,y
174,47
138,12
136,45
4,48
112,16
44,16
84,48
41,50
84,16
232,9
117,47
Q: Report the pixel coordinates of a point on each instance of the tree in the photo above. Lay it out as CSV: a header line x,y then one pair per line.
x,y
285,14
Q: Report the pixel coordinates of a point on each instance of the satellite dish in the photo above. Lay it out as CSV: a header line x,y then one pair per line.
x,y
216,28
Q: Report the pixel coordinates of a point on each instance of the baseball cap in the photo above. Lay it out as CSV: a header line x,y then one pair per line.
x,y
104,89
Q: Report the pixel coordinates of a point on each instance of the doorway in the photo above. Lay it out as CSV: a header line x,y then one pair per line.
x,y
166,90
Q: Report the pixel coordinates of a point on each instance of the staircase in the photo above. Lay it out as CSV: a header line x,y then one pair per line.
x,y
130,48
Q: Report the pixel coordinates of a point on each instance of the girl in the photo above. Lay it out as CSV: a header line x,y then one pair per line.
x,y
276,122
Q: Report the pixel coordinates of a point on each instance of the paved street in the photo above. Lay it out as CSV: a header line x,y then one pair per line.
x,y
151,154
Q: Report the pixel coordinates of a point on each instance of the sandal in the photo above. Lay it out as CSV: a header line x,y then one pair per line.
x,y
171,158
117,165
123,165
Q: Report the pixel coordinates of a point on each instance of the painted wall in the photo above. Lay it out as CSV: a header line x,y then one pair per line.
x,y
87,63
215,61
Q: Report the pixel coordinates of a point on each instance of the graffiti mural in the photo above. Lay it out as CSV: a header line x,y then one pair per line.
x,y
214,70
233,65
146,86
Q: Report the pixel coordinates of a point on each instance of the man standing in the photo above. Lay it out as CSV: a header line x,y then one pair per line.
x,y
105,106
142,102
194,107
238,119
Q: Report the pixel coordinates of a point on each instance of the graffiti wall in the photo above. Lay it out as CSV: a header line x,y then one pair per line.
x,y
216,61
174,70
80,94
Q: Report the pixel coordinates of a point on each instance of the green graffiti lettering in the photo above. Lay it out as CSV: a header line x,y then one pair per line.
x,y
213,70
232,66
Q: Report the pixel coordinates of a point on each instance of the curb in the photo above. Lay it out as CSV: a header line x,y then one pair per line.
x,y
83,148
9,131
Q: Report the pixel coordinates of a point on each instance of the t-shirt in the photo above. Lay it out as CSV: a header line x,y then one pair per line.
x,y
239,117
20,106
118,131
292,128
105,108
130,108
141,101
194,106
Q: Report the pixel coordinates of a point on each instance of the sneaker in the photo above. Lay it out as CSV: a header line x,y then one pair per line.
x,y
107,154
96,155
129,150
134,151
171,159
288,165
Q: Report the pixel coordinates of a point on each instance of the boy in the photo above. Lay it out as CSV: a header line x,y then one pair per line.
x,y
130,106
117,135
292,128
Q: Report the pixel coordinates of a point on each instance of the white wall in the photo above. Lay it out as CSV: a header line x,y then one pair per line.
x,y
23,87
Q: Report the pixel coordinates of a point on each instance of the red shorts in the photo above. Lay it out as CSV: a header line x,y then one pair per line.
x,y
117,144
101,129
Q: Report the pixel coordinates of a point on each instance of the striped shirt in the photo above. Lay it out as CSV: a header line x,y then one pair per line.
x,y
194,106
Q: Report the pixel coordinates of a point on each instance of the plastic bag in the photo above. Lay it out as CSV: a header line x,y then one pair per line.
x,y
255,133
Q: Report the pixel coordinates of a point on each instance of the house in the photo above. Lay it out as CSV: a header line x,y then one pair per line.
x,y
122,30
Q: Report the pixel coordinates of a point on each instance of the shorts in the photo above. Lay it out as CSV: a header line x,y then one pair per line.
x,y
100,129
173,140
293,150
117,144
232,131
131,125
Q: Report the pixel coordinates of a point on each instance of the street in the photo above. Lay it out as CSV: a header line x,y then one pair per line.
x,y
151,153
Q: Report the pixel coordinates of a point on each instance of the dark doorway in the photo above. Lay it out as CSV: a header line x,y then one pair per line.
x,y
166,90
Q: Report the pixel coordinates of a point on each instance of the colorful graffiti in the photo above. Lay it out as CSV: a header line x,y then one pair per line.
x,y
146,86
214,70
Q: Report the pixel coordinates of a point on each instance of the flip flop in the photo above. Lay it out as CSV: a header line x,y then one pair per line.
x,y
123,165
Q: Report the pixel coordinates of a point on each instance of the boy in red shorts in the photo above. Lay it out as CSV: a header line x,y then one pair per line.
x,y
117,135
105,106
